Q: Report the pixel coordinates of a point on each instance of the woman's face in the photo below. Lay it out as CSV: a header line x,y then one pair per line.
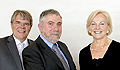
x,y
99,27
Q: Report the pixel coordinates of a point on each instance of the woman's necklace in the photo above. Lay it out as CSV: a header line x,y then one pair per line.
x,y
96,50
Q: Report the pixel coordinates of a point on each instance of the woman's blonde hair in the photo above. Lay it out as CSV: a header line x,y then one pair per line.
x,y
92,16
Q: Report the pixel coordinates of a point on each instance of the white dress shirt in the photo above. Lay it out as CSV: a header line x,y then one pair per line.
x,y
20,47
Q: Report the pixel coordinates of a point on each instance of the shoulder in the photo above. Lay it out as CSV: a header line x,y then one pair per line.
x,y
31,49
85,49
30,41
85,52
115,45
4,44
115,42
33,46
4,40
62,44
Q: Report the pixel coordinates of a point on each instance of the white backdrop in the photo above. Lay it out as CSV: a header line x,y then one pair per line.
x,y
74,13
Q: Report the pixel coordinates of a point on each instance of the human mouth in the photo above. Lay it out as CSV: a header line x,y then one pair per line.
x,y
21,31
55,33
97,32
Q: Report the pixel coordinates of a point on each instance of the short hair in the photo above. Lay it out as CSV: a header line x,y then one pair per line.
x,y
92,16
48,12
23,14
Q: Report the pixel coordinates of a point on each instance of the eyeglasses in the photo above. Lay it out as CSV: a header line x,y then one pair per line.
x,y
24,24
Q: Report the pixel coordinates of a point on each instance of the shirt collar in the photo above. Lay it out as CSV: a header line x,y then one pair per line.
x,y
17,41
46,41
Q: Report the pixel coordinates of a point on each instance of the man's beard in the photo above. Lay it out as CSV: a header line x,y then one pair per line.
x,y
50,37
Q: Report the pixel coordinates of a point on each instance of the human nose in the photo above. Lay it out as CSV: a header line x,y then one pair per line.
x,y
22,25
55,28
97,26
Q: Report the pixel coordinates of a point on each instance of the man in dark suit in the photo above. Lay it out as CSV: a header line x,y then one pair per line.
x,y
11,46
40,55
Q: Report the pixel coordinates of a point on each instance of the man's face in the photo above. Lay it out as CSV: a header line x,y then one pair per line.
x,y
20,28
51,28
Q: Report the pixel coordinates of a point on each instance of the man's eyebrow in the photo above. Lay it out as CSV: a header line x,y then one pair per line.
x,y
18,21
50,22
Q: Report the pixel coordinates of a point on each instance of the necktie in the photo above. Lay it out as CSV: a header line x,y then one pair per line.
x,y
20,52
21,49
59,55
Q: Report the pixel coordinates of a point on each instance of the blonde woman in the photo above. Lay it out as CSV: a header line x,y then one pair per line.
x,y
103,52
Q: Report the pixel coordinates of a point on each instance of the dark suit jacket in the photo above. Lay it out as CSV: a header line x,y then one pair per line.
x,y
38,56
9,56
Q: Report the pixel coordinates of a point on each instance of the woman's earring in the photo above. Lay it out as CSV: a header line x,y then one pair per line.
x,y
89,31
107,31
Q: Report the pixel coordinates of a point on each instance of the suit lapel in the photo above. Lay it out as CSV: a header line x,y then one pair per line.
x,y
65,51
46,50
30,41
52,55
13,49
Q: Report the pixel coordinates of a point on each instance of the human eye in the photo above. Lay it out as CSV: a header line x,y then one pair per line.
x,y
26,24
93,23
50,23
101,23
17,22
59,24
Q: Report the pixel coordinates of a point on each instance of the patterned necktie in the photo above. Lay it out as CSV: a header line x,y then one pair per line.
x,y
59,55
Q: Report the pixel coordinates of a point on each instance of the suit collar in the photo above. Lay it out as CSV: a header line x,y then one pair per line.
x,y
30,41
18,42
67,54
46,41
47,50
13,49
63,49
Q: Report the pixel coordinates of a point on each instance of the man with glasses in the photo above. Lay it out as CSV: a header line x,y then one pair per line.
x,y
11,47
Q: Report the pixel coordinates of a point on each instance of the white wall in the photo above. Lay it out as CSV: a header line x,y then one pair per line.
x,y
74,13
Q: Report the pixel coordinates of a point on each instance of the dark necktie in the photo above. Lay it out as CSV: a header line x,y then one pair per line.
x,y
59,55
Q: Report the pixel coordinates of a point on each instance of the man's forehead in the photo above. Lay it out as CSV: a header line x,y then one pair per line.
x,y
53,18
